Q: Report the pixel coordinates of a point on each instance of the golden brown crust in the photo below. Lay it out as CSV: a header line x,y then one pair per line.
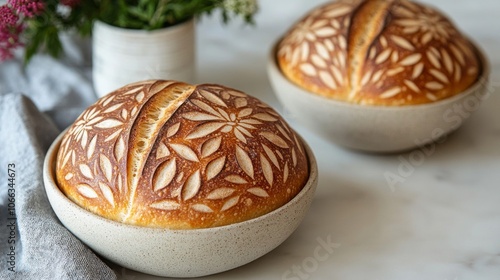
x,y
378,52
212,156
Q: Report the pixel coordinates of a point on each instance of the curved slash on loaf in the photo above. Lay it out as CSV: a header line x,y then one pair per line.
x,y
153,115
369,14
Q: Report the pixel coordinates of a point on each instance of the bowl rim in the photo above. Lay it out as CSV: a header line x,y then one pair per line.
x,y
482,80
49,175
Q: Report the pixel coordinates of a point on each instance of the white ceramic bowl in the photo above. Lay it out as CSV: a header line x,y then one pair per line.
x,y
377,128
179,253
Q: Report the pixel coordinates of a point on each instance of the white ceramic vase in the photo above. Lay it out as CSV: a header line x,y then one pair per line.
x,y
122,56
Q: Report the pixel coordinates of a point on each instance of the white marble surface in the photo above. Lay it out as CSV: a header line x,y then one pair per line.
x,y
441,223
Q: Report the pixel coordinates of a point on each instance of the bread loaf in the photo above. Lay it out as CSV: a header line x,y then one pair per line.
x,y
378,52
172,155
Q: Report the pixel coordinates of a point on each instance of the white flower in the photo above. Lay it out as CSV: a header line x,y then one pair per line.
x,y
241,7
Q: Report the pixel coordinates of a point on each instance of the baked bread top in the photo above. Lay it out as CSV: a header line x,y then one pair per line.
x,y
378,52
171,155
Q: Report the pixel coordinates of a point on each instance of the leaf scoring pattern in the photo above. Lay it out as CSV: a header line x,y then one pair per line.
x,y
244,161
109,123
212,98
86,172
192,186
266,169
202,208
236,179
86,191
162,151
220,193
119,149
215,167
164,175
230,203
258,192
173,129
106,167
165,205
210,146
184,151
169,183
107,192
275,139
204,130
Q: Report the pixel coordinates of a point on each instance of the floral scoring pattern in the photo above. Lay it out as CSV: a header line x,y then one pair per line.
x,y
416,56
219,153
228,170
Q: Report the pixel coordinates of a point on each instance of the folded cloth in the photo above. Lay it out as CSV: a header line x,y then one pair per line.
x,y
35,244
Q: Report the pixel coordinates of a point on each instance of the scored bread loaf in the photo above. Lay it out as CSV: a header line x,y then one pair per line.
x,y
378,52
172,155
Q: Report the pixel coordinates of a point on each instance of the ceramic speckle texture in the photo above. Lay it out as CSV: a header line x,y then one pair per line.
x,y
377,128
180,253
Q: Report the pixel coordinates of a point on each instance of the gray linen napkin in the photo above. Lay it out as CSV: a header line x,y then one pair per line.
x,y
43,248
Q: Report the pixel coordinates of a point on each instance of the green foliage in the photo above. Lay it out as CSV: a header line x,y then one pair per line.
x,y
150,15
42,31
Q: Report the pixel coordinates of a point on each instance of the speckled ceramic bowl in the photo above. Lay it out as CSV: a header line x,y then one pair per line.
x,y
377,128
179,253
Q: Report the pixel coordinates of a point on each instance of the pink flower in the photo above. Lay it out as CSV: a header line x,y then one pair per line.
x,y
5,52
29,8
9,32
9,41
7,17
70,3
